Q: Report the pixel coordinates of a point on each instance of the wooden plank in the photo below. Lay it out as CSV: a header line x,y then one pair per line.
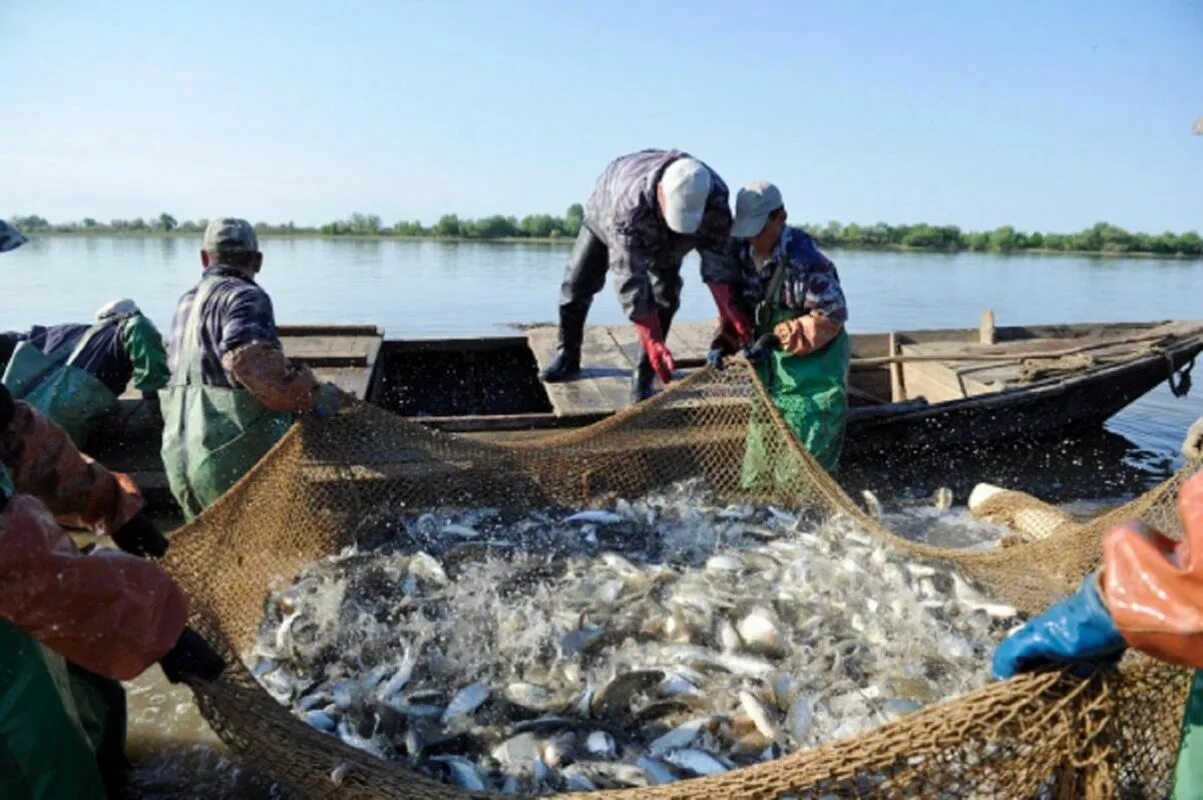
x,y
328,330
690,341
897,387
985,328
582,395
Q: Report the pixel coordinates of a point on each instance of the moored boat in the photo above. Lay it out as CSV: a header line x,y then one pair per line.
x,y
909,389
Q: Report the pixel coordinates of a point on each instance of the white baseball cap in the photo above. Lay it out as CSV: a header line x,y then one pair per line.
x,y
686,185
753,205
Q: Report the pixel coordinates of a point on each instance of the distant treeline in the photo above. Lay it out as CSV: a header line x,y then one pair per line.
x,y
449,226
1100,238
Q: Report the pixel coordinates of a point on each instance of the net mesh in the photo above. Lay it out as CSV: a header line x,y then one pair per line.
x,y
329,483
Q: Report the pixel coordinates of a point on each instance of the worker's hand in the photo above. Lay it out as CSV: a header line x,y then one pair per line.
x,y
329,399
1192,445
760,349
141,537
652,336
715,357
192,657
1077,630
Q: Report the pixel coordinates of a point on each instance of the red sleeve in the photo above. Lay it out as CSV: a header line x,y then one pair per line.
x,y
109,612
42,461
1153,585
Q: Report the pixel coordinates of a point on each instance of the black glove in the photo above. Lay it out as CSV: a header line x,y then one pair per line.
x,y
141,537
715,357
759,350
192,657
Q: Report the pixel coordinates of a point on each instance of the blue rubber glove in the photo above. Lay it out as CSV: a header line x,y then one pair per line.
x,y
715,357
329,398
1077,630
759,350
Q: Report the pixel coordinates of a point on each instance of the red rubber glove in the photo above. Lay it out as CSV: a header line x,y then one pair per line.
x,y
731,315
652,337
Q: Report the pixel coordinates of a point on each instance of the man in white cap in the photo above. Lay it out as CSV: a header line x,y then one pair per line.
x,y
647,211
74,373
232,392
801,351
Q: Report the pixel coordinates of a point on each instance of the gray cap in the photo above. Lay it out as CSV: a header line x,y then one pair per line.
x,y
10,237
753,205
228,235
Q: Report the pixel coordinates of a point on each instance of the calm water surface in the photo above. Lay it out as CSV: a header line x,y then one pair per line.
x,y
416,289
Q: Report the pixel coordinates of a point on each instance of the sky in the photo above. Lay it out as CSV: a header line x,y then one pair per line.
x,y
1048,116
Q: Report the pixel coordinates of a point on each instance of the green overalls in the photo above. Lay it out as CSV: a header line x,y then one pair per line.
x,y
212,435
62,728
810,391
70,396
1188,774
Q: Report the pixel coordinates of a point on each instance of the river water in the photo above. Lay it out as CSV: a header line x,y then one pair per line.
x,y
426,289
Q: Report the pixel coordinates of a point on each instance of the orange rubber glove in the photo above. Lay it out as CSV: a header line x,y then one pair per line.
x,y
1153,586
807,333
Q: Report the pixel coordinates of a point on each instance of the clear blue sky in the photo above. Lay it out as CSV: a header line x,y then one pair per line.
x,y
1042,115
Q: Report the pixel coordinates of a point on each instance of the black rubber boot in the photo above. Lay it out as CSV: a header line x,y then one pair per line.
x,y
641,380
564,366
567,362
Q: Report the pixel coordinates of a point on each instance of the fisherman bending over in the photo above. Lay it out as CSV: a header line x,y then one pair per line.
x,y
75,372
232,392
647,211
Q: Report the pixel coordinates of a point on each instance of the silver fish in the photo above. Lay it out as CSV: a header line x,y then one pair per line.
x,y
595,517
699,762
466,700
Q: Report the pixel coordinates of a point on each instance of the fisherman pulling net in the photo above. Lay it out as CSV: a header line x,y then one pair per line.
x,y
365,476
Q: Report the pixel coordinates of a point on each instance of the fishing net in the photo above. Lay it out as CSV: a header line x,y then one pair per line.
x,y
328,484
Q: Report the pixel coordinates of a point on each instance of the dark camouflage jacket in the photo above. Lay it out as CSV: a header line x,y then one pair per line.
x,y
811,282
624,214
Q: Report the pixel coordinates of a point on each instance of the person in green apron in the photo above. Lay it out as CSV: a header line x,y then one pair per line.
x,y
74,373
232,393
1148,595
801,351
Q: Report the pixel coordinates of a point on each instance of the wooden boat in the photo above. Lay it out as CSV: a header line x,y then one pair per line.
x,y
909,389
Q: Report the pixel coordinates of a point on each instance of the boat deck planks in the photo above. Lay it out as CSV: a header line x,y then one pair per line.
x,y
608,356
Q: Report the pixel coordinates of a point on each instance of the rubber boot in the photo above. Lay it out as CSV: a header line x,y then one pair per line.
x,y
567,362
641,380
644,375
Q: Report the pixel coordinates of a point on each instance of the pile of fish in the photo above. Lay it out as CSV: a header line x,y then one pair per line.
x,y
659,639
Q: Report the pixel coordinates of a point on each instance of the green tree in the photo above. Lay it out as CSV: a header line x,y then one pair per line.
x,y
540,226
574,218
404,228
89,223
364,224
1003,240
166,222
448,225
1190,244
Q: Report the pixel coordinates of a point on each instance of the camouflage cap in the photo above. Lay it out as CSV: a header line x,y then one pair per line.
x,y
228,235
10,237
